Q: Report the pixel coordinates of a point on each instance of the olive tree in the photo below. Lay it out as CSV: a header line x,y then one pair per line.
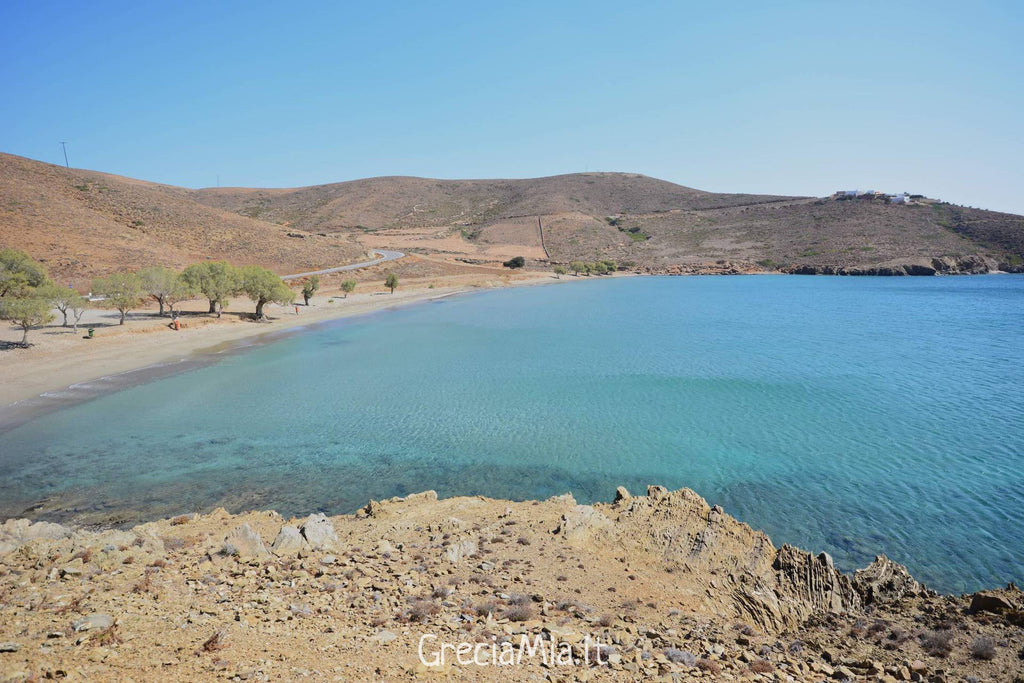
x,y
310,287
263,287
78,308
27,312
19,273
391,281
218,281
560,271
578,267
348,286
179,291
158,282
122,291
64,299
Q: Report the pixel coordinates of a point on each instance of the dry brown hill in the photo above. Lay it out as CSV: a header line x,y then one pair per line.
x,y
84,223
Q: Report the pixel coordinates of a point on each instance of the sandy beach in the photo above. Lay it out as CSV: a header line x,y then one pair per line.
x,y
59,359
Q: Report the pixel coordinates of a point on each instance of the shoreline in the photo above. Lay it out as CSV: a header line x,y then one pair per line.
x,y
48,381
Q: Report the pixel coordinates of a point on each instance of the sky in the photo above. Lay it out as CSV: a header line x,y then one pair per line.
x,y
799,98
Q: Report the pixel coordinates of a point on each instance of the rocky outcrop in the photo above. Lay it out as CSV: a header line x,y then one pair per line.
x,y
674,588
945,265
885,582
16,532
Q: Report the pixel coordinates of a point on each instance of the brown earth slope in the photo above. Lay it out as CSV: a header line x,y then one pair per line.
x,y
84,224
87,223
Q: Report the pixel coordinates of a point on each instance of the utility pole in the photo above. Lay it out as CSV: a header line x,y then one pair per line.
x,y
64,146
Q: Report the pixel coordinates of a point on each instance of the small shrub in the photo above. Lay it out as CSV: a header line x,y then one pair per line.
x,y
518,613
421,610
937,643
762,666
485,608
983,647
218,641
524,540
513,263
519,599
606,620
712,667
796,647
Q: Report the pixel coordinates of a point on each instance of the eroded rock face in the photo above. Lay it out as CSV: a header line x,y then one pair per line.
x,y
885,582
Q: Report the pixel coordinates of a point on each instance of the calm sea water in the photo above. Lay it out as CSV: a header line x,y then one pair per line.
x,y
852,415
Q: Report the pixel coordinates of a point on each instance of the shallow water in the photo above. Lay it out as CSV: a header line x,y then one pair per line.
x,y
852,415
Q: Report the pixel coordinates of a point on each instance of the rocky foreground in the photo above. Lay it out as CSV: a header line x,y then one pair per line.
x,y
659,587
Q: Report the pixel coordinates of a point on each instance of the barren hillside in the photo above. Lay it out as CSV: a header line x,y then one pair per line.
x,y
85,223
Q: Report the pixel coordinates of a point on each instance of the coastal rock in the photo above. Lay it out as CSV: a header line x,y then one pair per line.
x,y
814,582
245,543
289,541
884,581
319,532
989,601
15,533
622,494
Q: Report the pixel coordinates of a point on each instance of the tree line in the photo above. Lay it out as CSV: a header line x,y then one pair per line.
x,y
28,296
594,268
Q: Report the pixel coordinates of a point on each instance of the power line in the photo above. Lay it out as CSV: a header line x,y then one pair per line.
x,y
64,146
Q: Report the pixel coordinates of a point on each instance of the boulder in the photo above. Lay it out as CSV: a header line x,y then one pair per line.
x,y
456,552
289,541
245,543
987,601
319,532
581,524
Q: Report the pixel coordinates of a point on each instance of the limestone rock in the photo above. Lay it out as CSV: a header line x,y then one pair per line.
x,y
456,552
245,543
15,533
93,621
289,541
884,582
581,524
319,532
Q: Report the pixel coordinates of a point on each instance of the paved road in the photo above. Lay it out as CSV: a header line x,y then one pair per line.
x,y
385,255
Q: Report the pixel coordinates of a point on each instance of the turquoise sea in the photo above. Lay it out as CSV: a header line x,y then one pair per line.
x,y
852,415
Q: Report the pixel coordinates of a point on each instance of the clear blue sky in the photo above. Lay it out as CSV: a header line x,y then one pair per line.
x,y
780,97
